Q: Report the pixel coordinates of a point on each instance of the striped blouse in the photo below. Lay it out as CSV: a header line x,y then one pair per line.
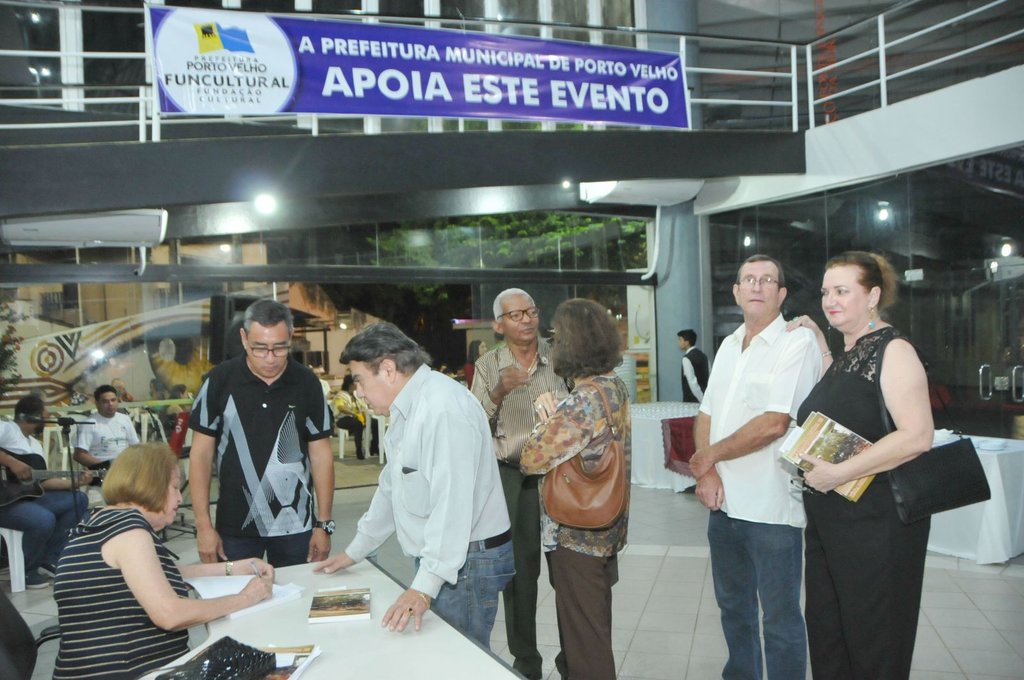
x,y
105,632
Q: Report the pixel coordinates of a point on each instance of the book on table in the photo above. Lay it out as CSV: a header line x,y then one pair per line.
x,y
824,438
291,661
340,604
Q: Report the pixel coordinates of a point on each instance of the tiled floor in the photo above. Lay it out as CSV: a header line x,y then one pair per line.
x,y
665,616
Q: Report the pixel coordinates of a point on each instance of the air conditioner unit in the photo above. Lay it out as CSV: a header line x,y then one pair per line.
x,y
118,229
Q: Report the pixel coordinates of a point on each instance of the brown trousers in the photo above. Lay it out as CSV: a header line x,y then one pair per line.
x,y
583,603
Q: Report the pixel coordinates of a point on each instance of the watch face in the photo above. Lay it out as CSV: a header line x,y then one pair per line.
x,y
327,526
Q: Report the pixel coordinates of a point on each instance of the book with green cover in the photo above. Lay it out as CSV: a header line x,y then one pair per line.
x,y
340,604
824,438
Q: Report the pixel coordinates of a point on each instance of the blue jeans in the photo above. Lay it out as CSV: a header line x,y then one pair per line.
x,y
281,551
471,604
46,522
751,561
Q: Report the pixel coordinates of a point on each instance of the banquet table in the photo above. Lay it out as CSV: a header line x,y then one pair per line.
x,y
992,531
360,648
648,464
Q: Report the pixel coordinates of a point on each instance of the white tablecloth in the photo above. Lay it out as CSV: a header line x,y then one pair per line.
x,y
648,467
362,649
992,531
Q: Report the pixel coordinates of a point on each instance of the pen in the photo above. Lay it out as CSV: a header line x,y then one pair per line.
x,y
255,569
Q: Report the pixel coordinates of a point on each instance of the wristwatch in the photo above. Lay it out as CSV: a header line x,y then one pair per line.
x,y
327,525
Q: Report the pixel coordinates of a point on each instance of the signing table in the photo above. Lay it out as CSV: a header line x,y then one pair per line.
x,y
361,649
648,464
992,531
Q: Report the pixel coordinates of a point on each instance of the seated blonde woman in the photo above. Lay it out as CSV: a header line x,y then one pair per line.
x,y
122,602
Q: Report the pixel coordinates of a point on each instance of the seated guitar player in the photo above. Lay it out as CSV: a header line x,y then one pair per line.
x,y
44,510
106,434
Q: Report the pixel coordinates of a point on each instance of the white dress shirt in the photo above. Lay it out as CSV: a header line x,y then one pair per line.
x,y
440,488
774,374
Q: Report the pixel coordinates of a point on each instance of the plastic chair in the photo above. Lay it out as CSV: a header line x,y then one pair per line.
x,y
15,558
342,440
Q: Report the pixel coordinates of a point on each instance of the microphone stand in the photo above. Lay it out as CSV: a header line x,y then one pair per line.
x,y
65,423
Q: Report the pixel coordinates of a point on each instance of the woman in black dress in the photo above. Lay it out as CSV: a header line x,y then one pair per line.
x,y
864,567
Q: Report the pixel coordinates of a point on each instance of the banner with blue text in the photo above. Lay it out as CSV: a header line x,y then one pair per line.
x,y
215,62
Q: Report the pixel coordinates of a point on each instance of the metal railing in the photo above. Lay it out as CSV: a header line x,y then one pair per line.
x,y
952,36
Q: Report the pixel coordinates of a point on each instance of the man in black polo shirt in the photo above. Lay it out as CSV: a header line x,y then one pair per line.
x,y
266,418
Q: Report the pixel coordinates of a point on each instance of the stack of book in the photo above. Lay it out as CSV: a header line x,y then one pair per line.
x,y
824,438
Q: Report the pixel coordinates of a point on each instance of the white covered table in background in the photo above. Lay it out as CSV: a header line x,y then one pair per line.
x,y
992,531
648,465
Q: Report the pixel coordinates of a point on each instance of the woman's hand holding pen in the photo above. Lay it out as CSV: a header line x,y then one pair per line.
x,y
261,587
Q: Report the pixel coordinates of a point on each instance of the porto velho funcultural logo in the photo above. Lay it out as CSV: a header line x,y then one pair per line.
x,y
209,62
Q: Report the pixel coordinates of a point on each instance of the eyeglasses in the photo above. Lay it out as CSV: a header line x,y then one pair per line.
x,y
751,281
262,351
518,314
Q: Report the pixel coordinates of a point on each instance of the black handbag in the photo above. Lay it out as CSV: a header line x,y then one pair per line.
x,y
946,477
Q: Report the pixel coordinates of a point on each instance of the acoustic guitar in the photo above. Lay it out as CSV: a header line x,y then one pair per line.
x,y
13,489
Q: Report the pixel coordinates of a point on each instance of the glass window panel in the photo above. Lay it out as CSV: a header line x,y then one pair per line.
x,y
331,6
401,8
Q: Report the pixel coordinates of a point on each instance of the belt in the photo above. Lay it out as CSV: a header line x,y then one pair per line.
x,y
492,542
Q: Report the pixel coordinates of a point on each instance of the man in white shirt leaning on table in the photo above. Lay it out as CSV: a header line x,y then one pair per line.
x,y
440,490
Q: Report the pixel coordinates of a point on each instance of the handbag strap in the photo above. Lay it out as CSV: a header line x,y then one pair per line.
x,y
886,417
607,408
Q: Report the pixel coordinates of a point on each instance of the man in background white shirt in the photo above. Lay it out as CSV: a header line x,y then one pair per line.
x,y
755,531
111,433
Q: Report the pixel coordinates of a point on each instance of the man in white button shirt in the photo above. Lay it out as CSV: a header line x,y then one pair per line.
x,y
111,433
440,490
760,377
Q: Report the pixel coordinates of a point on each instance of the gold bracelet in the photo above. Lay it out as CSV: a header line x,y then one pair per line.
x,y
426,598
229,568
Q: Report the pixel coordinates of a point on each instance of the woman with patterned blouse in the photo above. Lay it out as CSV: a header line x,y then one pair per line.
x,y
582,563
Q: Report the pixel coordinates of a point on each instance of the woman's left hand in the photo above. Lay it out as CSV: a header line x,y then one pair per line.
x,y
545,405
824,477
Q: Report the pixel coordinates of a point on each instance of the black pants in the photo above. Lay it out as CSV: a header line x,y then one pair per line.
x,y
355,428
864,571
520,595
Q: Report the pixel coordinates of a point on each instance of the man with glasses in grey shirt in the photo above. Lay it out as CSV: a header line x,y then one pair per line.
x,y
507,380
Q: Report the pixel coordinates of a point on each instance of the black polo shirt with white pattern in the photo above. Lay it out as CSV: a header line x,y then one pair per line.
x,y
262,433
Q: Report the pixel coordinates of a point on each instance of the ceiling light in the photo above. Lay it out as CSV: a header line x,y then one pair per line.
x,y
35,17
225,248
265,204
566,184
1006,249
884,213
747,241
343,326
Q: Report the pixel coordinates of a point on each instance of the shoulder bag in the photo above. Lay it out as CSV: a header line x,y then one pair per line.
x,y
589,500
946,477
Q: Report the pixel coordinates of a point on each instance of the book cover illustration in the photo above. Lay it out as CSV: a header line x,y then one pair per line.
x,y
824,438
340,604
291,661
